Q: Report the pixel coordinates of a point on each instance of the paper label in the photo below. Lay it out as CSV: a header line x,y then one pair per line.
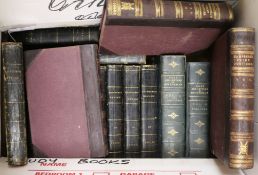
x,y
29,14
54,166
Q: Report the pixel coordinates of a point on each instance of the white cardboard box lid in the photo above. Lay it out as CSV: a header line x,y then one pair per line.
x,y
52,166
33,14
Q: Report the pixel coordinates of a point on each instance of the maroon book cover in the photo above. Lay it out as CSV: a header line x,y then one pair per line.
x,y
232,98
154,27
64,102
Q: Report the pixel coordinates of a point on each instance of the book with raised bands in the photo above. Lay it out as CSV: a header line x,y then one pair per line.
x,y
140,27
132,114
57,37
13,104
149,111
64,102
232,98
115,113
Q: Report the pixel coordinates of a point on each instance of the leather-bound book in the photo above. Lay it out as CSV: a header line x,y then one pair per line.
x,y
115,110
151,27
64,102
172,105
57,37
129,59
149,111
132,114
232,98
197,109
13,104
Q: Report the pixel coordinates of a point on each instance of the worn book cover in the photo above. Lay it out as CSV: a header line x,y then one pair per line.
x,y
64,102
56,37
151,27
13,104
232,98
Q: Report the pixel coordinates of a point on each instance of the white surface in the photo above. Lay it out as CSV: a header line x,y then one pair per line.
x,y
138,166
32,14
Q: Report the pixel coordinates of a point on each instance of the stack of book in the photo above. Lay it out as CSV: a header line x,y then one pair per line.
x,y
131,89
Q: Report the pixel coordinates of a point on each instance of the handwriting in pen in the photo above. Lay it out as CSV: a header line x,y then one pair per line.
x,y
60,5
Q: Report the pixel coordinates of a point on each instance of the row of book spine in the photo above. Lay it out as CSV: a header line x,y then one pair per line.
x,y
152,105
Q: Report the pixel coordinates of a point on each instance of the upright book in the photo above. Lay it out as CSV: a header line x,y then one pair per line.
x,y
13,104
149,111
132,114
115,113
172,105
232,98
150,27
62,102
197,109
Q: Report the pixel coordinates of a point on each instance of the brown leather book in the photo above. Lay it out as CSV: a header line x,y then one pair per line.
x,y
232,98
64,102
151,27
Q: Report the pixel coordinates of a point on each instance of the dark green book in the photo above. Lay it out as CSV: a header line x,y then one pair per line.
x,y
132,114
115,112
172,105
149,111
197,109
129,59
13,104
57,37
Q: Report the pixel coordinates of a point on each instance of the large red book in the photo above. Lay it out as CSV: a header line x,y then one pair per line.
x,y
64,102
154,27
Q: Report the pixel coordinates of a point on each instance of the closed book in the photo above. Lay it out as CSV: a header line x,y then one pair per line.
x,y
232,98
140,27
172,105
115,114
149,111
64,108
197,109
57,37
13,104
132,115
129,59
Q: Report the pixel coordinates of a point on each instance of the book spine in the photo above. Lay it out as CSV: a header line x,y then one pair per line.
x,y
113,59
163,12
57,36
172,105
242,49
197,109
132,113
14,103
103,89
115,110
149,111
93,106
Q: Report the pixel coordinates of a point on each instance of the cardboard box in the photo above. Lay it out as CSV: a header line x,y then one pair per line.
x,y
247,15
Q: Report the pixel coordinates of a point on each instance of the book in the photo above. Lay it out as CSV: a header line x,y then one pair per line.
x,y
172,105
65,112
57,37
1,149
115,110
149,111
13,104
132,113
232,98
140,27
103,95
129,59
197,109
